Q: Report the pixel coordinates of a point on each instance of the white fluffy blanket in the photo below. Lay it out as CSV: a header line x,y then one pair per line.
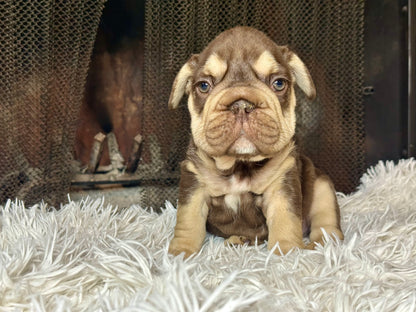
x,y
89,256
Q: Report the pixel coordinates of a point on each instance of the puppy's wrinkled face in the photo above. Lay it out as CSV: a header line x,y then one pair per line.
x,y
241,94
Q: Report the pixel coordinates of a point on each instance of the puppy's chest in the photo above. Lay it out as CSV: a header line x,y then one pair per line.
x,y
237,197
243,188
228,207
232,184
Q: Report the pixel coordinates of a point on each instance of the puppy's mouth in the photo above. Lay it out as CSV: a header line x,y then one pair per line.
x,y
243,144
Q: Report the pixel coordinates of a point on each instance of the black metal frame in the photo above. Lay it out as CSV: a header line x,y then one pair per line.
x,y
389,80
411,138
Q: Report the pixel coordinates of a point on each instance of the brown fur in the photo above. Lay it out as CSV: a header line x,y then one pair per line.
x,y
243,178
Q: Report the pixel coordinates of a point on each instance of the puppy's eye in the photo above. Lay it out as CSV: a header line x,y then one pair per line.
x,y
279,84
204,86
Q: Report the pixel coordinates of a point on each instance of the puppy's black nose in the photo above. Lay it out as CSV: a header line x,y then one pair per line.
x,y
242,106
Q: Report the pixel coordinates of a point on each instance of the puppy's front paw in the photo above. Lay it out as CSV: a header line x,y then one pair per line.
x,y
176,247
237,240
317,236
284,247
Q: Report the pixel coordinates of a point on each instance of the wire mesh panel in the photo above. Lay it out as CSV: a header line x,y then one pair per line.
x,y
328,36
45,48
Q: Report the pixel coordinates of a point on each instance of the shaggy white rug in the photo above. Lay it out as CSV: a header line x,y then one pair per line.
x,y
89,256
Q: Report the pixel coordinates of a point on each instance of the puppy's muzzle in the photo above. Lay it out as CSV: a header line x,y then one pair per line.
x,y
242,107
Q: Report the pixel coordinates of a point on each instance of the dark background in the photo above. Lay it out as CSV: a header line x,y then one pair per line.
x,y
386,70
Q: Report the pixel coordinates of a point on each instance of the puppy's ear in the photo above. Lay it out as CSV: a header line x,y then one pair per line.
x,y
302,76
180,84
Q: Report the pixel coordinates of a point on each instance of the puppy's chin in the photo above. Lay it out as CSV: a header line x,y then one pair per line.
x,y
243,148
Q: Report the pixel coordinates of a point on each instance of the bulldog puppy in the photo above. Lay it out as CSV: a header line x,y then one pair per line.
x,y
243,178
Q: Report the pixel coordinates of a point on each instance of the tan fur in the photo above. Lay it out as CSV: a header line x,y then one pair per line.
x,y
272,173
215,66
323,214
284,225
243,178
236,240
266,64
303,78
190,226
180,85
224,162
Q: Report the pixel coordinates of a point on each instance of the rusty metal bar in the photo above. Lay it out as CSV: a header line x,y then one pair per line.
x,y
135,154
122,179
116,159
97,149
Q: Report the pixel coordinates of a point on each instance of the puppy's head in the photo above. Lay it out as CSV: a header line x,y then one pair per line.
x,y
241,94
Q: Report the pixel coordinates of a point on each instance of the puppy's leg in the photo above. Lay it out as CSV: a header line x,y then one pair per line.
x,y
324,211
190,228
283,220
